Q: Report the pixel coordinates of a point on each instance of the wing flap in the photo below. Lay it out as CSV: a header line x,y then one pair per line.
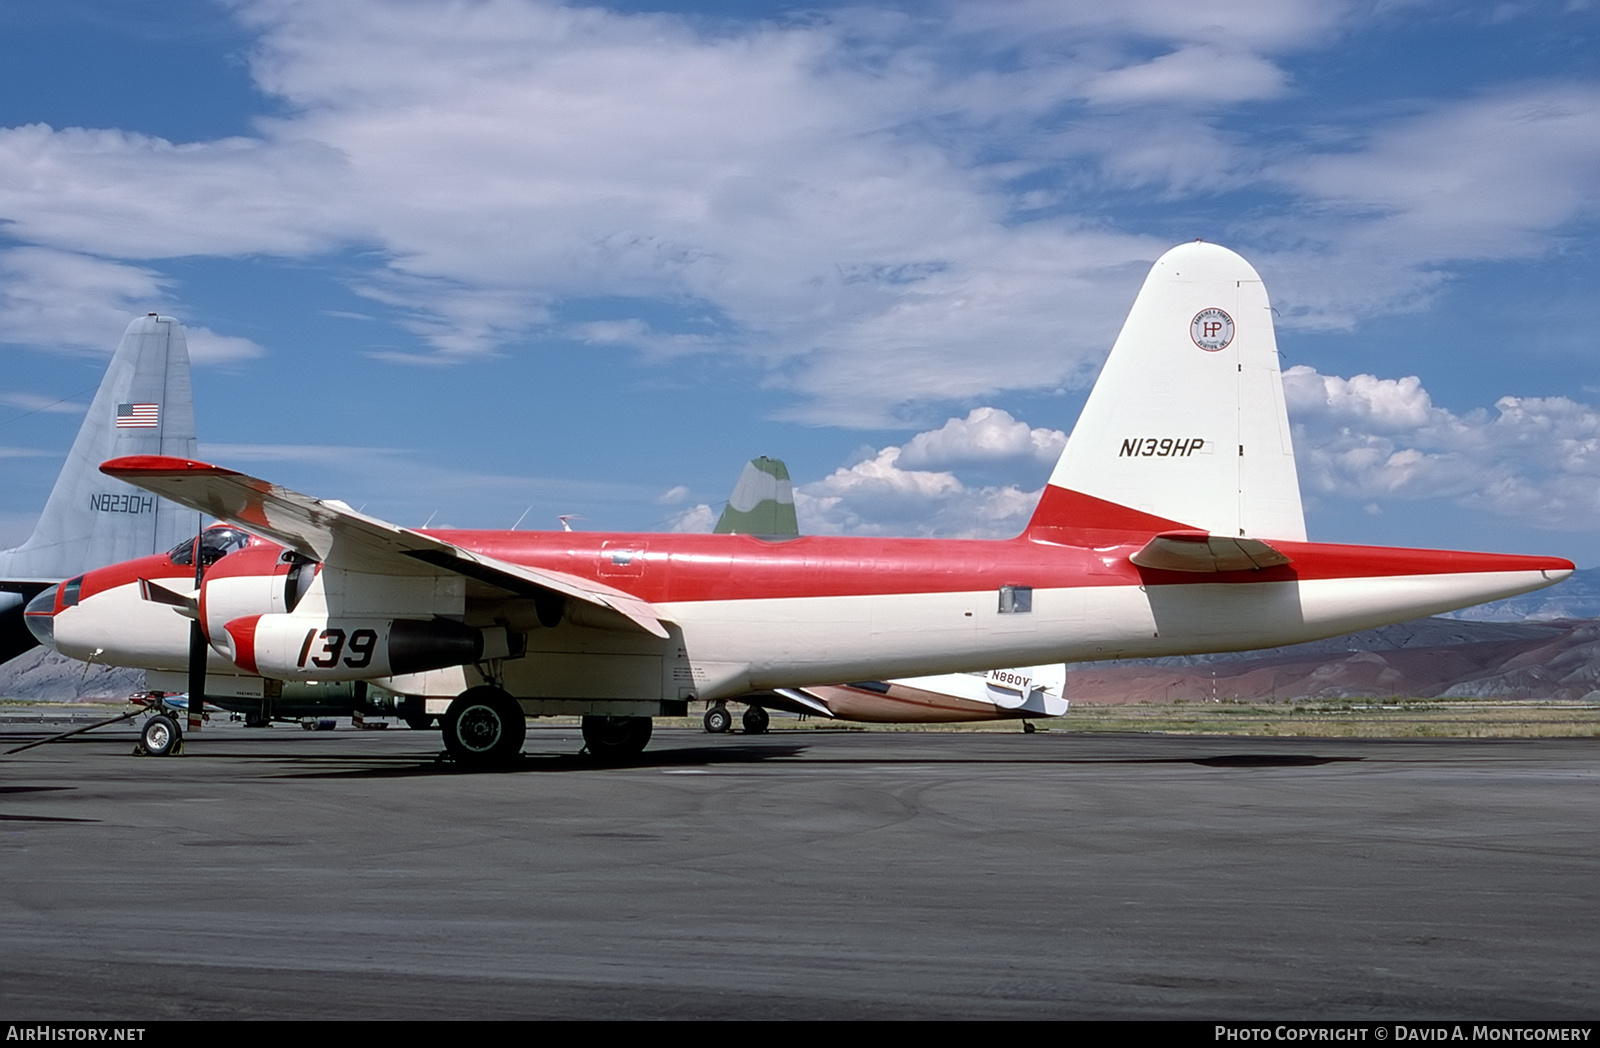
x,y
332,532
1203,552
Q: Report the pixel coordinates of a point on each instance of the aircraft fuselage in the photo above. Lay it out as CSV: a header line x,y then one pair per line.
x,y
744,614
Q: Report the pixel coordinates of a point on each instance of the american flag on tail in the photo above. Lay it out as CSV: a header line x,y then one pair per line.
x,y
138,416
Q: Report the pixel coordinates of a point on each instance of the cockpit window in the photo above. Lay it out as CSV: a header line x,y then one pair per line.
x,y
215,543
70,590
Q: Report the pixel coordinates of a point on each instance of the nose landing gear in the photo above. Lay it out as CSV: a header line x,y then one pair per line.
x,y
160,737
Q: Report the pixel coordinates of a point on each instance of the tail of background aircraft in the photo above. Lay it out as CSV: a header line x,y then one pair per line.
x,y
1037,690
144,406
1186,427
762,502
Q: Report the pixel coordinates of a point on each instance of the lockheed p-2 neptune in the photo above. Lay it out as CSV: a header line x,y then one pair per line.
x,y
1171,524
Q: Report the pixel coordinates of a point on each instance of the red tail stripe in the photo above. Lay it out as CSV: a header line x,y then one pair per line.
x,y
1072,518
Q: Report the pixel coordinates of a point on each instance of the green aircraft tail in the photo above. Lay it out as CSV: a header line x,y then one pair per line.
x,y
762,502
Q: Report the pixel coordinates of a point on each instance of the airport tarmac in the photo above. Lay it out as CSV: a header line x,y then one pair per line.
x,y
801,874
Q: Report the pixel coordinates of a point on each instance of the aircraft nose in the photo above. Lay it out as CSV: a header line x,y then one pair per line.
x,y
40,617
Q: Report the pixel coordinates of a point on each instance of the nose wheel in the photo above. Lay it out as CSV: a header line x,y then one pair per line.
x,y
160,737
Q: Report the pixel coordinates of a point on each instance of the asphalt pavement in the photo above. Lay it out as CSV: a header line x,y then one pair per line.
x,y
276,873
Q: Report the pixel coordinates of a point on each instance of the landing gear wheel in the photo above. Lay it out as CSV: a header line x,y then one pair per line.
x,y
256,720
160,736
718,720
484,727
616,738
755,721
1028,728
419,721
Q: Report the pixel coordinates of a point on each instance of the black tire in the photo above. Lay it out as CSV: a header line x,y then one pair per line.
x,y
616,738
484,727
256,720
160,735
1028,728
756,721
718,720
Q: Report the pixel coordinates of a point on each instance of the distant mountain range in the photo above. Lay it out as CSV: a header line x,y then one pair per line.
x,y
1543,645
1427,658
40,675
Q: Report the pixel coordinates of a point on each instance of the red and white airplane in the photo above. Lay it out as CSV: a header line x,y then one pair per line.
x,y
1172,524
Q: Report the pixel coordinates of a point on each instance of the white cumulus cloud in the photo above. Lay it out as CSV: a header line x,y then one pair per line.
x,y
1535,459
986,435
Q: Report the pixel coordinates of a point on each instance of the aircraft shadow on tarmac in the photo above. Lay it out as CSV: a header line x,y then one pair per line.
x,y
1230,760
8,817
408,766
1259,760
707,756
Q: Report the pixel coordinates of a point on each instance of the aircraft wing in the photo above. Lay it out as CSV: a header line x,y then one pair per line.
x,y
330,531
1201,551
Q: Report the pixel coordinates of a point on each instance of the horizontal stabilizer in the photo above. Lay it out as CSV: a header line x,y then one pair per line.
x,y
329,531
1199,551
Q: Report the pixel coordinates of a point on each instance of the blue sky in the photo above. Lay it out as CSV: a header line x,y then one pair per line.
x,y
467,260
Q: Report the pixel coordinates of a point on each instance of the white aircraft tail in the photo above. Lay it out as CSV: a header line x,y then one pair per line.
x,y
1038,690
144,407
1186,427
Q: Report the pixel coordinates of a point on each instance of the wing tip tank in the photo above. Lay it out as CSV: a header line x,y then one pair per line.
x,y
137,465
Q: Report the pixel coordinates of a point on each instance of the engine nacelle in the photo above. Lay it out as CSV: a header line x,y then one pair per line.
x,y
261,580
315,647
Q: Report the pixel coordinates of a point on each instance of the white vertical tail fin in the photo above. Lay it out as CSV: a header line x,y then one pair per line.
x,y
1036,690
1186,426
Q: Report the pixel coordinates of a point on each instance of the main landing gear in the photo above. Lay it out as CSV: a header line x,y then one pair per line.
x,y
719,720
484,727
755,721
616,738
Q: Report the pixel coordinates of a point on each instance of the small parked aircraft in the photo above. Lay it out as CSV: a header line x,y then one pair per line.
x,y
762,504
1171,525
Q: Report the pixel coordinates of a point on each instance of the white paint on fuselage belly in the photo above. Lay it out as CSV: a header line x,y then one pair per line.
x,y
117,627
795,642
1334,606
